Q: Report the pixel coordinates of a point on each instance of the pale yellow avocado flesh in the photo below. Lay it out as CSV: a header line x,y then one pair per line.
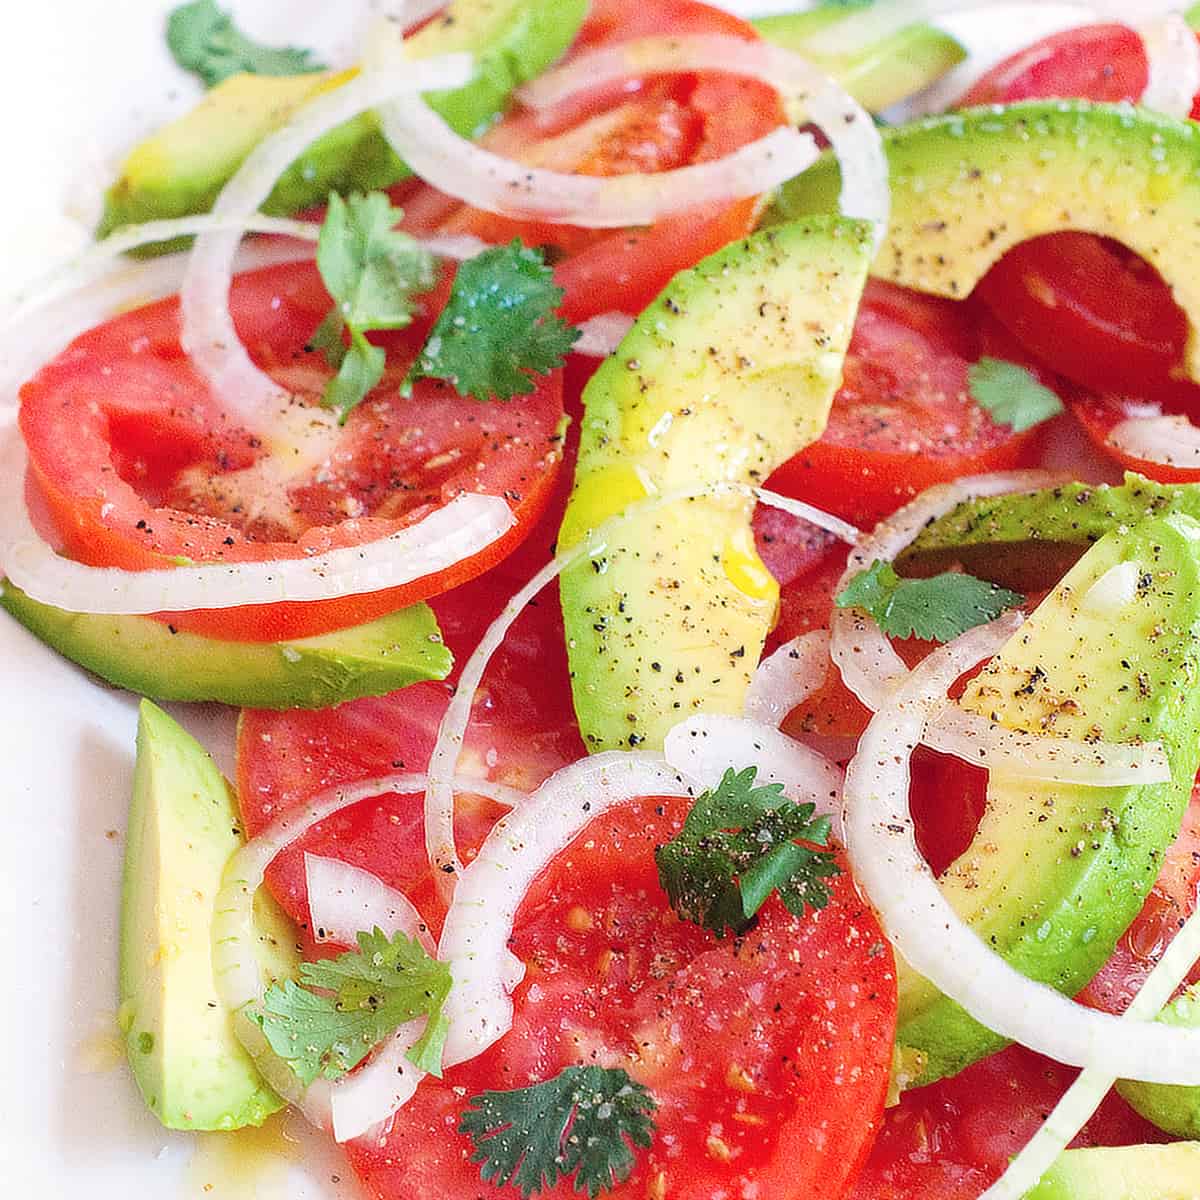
x,y
183,827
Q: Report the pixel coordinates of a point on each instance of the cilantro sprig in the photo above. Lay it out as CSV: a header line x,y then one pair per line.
x,y
584,1122
1011,394
936,609
362,996
498,328
203,39
737,846
372,271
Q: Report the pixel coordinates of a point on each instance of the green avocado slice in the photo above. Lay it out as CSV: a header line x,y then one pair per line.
x,y
183,827
1123,1173
726,374
1174,1110
1056,873
881,73
968,186
181,169
148,657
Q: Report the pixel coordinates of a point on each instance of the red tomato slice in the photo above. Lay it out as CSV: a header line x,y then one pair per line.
x,y
903,419
649,126
135,461
1098,416
768,1055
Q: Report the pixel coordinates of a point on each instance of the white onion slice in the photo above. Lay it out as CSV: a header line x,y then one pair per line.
x,y
344,900
871,668
788,677
599,336
1173,62
209,337
929,933
466,525
807,92
1083,1097
1170,441
236,970
439,800
519,847
705,746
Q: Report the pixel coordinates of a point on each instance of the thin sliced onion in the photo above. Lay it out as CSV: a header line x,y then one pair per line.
x,y
1170,441
1083,1097
209,337
1173,62
466,525
896,879
236,969
788,677
705,746
519,847
871,668
808,95
600,336
439,799
344,900
363,1101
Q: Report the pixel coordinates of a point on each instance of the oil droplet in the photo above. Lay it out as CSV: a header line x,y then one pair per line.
x,y
99,1053
248,1164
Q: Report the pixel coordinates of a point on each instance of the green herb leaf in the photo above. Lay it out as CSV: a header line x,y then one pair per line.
x,y
364,995
1011,394
583,1122
737,846
204,40
498,327
937,609
372,271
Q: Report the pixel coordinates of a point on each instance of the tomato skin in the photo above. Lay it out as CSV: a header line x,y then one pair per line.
x,y
903,419
112,420
768,1055
1099,415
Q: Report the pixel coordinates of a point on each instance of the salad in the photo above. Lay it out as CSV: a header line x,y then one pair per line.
x,y
701,528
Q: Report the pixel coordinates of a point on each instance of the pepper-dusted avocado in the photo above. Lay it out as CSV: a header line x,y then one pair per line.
x,y
152,658
183,827
1056,873
181,168
729,372
968,186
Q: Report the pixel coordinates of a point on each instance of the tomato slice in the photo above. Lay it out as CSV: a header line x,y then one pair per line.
x,y
645,126
1100,414
136,464
768,1055
903,419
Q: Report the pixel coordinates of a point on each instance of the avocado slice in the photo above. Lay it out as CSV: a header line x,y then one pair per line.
x,y
880,74
1173,1109
146,656
1056,873
968,186
1123,1173
182,168
728,372
183,827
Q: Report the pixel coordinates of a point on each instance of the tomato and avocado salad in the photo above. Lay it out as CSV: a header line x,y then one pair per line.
x,y
716,720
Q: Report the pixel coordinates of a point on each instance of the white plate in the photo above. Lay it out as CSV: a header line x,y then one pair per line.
x,y
80,82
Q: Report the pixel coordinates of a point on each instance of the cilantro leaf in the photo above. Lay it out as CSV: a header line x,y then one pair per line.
x,y
365,995
1011,394
583,1122
937,609
204,40
736,847
372,271
498,326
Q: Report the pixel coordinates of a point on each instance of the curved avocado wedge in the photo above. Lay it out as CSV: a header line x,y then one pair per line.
x,y
146,656
1123,1173
881,72
1056,873
180,169
968,186
729,372
1174,1110
183,827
